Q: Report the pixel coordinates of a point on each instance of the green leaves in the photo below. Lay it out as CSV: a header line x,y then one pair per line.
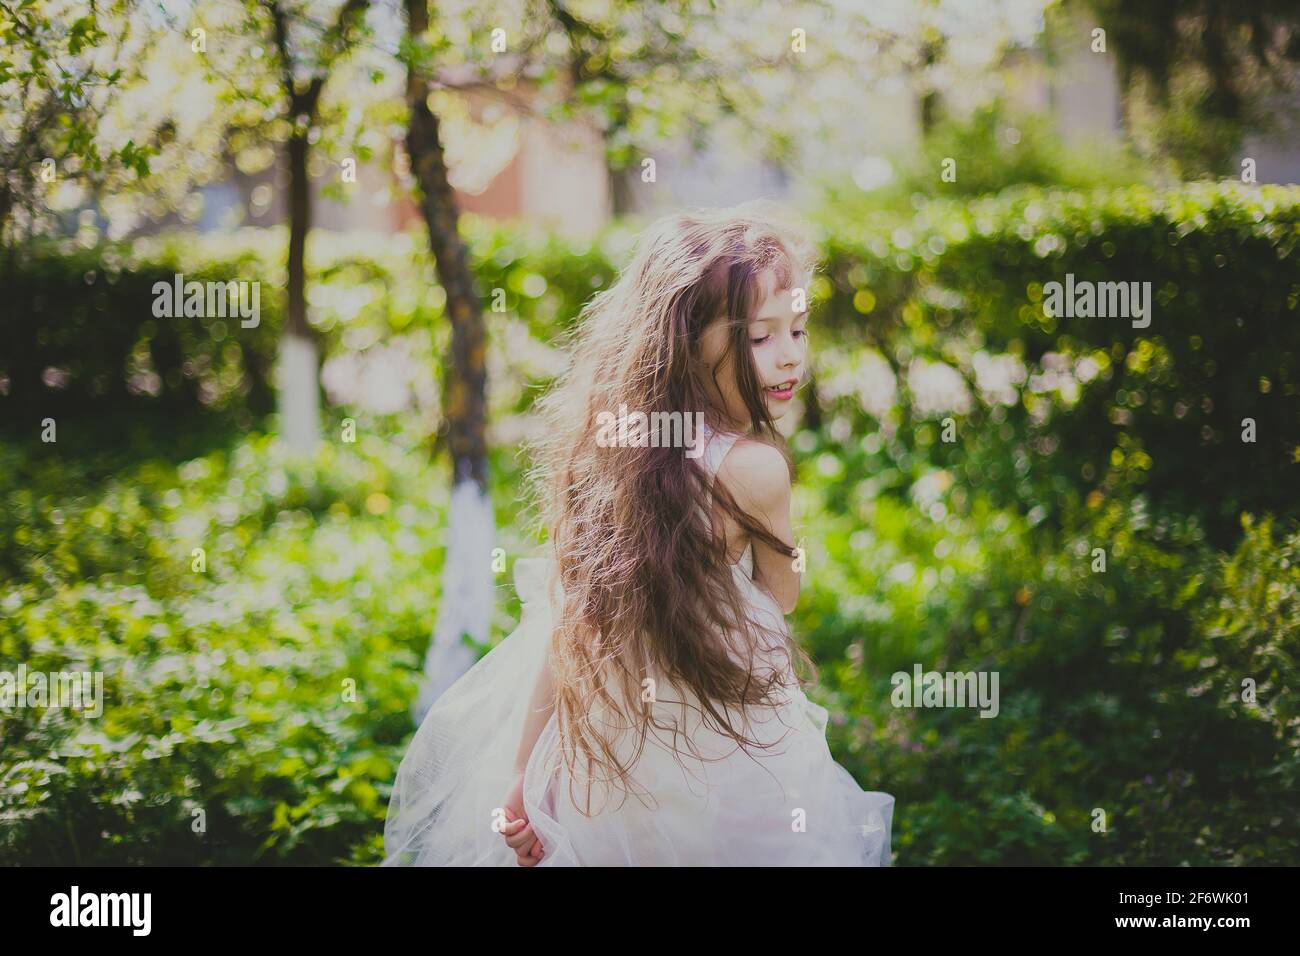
x,y
135,158
56,90
223,691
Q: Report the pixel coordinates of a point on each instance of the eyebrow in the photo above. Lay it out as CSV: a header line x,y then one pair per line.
x,y
775,318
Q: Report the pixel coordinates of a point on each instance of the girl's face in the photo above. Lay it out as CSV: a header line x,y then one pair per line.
x,y
778,340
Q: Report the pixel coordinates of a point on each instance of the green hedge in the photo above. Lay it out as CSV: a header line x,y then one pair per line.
x,y
89,313
962,282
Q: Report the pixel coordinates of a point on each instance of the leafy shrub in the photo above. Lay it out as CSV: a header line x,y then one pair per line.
x,y
1120,689
946,312
266,695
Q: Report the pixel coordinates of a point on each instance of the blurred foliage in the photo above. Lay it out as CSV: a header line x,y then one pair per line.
x,y
1198,75
269,690
1048,411
99,342
56,74
1120,690
1158,690
992,149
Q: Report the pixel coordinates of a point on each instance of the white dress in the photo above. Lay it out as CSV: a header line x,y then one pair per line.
x,y
712,804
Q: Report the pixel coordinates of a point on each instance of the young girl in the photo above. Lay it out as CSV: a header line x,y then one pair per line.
x,y
646,710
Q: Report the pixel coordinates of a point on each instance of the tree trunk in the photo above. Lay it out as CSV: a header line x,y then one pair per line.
x,y
622,191
812,406
467,583
299,373
6,207
929,112
930,98
621,199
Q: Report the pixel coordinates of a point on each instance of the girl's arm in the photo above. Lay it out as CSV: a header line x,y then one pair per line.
x,y
760,482
540,708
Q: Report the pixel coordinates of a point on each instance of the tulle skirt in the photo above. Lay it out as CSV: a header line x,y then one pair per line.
x,y
697,797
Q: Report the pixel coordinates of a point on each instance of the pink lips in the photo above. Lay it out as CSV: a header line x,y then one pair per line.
x,y
785,393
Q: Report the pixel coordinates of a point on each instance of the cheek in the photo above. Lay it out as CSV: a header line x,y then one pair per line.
x,y
764,360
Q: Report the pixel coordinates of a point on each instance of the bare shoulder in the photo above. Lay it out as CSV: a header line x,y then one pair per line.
x,y
757,473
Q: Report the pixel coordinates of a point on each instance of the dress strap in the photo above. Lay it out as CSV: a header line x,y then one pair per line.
x,y
717,444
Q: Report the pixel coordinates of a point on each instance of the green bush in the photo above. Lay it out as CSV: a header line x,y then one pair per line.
x,y
1120,690
88,314
1057,409
996,147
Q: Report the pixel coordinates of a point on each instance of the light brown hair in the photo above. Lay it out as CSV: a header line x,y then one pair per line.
x,y
644,569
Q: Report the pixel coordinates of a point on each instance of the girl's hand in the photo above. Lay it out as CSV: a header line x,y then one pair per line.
x,y
518,832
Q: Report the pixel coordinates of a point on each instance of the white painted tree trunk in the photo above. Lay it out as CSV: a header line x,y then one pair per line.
x,y
298,378
468,589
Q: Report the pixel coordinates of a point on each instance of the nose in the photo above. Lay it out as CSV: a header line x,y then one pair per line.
x,y
792,353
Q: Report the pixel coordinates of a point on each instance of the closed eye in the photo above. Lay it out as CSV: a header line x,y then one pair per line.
x,y
800,333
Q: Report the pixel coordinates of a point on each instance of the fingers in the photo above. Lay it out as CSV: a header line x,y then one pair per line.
x,y
531,855
519,839
522,838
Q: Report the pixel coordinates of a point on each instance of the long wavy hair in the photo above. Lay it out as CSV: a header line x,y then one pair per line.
x,y
644,568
